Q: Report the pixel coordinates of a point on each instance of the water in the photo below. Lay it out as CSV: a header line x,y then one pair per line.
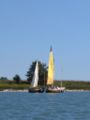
x,y
44,106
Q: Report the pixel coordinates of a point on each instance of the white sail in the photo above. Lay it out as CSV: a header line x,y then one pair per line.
x,y
35,79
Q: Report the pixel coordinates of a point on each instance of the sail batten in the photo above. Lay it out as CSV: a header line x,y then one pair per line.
x,y
50,79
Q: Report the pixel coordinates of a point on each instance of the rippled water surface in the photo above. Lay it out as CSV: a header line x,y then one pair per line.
x,y
44,106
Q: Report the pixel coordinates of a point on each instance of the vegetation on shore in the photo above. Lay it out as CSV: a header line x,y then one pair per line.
x,y
10,84
70,85
74,85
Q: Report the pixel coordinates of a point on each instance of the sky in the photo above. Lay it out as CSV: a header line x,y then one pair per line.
x,y
29,27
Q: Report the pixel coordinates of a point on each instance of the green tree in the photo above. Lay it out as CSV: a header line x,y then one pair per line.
x,y
3,78
17,79
42,72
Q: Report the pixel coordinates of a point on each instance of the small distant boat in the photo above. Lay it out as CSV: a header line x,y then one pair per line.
x,y
50,81
34,84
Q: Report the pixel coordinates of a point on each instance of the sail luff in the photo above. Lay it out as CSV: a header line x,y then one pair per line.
x,y
50,79
35,79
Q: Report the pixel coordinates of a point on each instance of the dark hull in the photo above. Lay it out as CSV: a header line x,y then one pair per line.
x,y
38,90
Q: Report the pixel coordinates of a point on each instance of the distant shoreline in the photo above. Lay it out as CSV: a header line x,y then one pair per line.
x,y
23,86
26,90
13,90
82,90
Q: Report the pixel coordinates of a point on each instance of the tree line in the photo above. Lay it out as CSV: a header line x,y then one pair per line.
x,y
30,72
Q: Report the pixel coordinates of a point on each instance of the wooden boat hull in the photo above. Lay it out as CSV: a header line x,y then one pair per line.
x,y
36,90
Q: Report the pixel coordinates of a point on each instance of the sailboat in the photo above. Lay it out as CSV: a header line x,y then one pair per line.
x,y
34,84
50,80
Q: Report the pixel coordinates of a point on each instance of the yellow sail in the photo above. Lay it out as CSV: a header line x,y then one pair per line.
x,y
50,79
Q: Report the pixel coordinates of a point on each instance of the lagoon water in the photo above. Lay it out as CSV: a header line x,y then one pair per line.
x,y
44,106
